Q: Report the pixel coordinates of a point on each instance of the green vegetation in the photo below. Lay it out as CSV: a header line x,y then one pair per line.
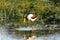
x,y
13,10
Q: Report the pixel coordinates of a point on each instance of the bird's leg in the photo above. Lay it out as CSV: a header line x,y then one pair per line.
x,y
32,24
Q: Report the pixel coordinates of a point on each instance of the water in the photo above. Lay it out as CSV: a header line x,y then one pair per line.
x,y
5,36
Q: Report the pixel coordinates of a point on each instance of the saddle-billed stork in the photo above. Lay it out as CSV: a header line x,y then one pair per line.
x,y
31,17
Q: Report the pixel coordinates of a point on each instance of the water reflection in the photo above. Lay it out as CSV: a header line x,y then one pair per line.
x,y
5,34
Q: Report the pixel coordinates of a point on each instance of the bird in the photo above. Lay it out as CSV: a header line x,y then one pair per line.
x,y
31,17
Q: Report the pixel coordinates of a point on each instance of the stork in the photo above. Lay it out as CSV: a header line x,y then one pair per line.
x,y
32,18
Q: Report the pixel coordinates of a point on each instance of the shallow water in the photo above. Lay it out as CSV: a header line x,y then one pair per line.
x,y
5,36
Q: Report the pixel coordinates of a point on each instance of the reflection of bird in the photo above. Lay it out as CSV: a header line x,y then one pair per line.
x,y
33,37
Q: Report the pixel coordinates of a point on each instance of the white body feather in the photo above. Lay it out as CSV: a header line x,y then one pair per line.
x,y
29,17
